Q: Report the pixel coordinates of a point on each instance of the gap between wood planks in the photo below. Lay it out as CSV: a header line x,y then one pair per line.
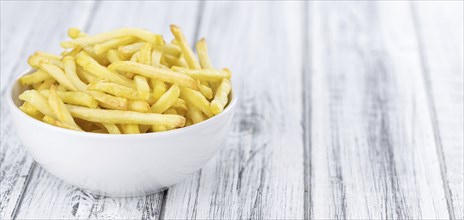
x,y
432,109
306,123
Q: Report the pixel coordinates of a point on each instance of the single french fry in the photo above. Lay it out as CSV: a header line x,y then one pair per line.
x,y
111,128
35,77
197,100
59,108
114,89
37,101
138,106
109,101
70,71
220,99
74,98
92,66
202,50
27,108
101,59
194,114
111,44
166,100
58,74
113,56
186,50
145,54
75,33
46,84
50,120
130,129
125,117
164,75
145,35
143,89
211,75
127,51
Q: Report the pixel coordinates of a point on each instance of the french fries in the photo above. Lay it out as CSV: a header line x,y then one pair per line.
x,y
126,81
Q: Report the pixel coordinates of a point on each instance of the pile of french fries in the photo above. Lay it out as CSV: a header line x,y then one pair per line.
x,y
127,81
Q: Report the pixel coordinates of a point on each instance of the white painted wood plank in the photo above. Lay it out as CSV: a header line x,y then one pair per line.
x,y
20,37
373,153
259,172
440,29
49,197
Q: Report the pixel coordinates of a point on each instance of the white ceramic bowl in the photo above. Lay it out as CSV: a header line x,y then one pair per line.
x,y
120,165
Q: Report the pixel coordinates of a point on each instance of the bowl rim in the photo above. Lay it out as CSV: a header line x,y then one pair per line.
x,y
15,109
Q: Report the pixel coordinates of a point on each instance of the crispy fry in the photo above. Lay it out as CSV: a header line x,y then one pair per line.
x,y
89,64
50,120
154,39
111,44
109,101
130,129
31,111
74,98
114,89
211,75
35,77
138,106
202,50
166,100
58,74
37,101
59,109
197,100
125,117
164,75
220,99
186,50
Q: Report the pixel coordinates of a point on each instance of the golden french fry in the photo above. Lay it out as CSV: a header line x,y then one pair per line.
x,y
220,99
125,117
74,98
75,33
50,120
46,84
211,75
58,74
113,56
138,106
143,89
92,66
156,58
114,89
59,108
202,50
27,108
70,71
166,100
130,129
194,114
111,44
35,77
109,101
145,35
111,128
37,101
186,50
197,100
145,54
38,57
164,75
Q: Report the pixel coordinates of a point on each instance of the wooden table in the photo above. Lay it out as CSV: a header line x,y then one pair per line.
x,y
347,110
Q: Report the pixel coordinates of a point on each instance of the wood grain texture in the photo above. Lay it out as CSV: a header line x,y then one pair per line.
x,y
258,173
372,146
20,37
440,30
47,196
